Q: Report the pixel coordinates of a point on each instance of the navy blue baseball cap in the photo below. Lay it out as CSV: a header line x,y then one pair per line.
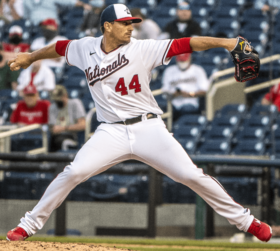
x,y
117,12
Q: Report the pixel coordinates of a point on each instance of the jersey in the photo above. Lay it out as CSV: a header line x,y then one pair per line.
x,y
44,79
37,114
22,47
119,80
193,79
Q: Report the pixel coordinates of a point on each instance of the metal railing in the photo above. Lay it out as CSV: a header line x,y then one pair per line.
x,y
5,137
167,115
221,92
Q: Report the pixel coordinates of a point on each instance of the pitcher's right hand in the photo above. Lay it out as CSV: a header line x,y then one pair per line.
x,y
22,60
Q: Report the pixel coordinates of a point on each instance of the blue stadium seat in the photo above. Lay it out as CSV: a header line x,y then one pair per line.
x,y
217,133
88,104
77,82
264,110
273,150
162,21
231,110
74,72
227,121
187,132
216,147
257,121
247,133
142,4
169,3
249,147
190,145
191,120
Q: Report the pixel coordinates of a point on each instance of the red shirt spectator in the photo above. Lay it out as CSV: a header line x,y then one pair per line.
x,y
273,97
15,37
31,110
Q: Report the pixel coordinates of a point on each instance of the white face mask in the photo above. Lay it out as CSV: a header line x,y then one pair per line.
x,y
183,64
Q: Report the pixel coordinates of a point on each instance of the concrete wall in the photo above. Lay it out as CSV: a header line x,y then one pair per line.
x,y
86,216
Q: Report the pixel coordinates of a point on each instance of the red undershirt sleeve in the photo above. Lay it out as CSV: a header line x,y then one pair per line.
x,y
179,46
60,47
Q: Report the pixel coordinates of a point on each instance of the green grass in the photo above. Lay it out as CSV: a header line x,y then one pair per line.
x,y
126,242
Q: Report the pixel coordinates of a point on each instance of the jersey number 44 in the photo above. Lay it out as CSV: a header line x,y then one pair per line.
x,y
134,84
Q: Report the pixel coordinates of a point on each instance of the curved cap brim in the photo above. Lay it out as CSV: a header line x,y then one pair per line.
x,y
133,19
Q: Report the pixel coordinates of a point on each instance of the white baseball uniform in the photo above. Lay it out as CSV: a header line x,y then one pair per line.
x,y
119,84
193,79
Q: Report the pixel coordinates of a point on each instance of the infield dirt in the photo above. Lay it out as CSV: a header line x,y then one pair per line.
x,y
52,246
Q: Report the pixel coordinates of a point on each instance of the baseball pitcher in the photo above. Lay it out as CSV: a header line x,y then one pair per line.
x,y
118,71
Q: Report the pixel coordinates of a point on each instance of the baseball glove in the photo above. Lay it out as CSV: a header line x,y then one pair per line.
x,y
247,63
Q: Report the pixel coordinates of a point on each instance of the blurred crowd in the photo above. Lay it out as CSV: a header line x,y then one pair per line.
x,y
44,100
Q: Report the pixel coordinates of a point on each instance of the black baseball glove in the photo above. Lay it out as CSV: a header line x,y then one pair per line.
x,y
247,63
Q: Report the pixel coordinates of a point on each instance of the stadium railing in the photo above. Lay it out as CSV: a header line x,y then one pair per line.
x,y
220,93
5,137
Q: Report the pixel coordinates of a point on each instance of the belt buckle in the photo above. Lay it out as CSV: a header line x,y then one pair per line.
x,y
150,115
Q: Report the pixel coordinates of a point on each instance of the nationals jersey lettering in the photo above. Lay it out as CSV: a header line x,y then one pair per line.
x,y
110,69
119,88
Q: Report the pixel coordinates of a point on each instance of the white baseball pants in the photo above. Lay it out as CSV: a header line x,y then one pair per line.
x,y
150,142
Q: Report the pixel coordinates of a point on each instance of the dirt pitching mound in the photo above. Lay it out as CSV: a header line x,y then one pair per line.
x,y
52,246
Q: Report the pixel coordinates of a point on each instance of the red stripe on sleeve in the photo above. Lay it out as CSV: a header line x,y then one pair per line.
x,y
60,47
179,46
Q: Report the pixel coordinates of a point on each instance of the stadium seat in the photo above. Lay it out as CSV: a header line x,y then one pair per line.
x,y
249,147
191,120
227,121
264,110
247,133
231,110
254,121
190,145
187,132
168,3
217,133
214,147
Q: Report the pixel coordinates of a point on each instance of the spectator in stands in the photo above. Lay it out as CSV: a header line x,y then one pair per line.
x,y
49,29
11,10
90,24
8,78
31,109
66,118
272,97
39,75
186,82
38,10
267,5
183,25
15,44
147,29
